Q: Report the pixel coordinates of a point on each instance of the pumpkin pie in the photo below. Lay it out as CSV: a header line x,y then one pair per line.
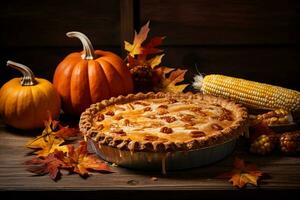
x,y
163,122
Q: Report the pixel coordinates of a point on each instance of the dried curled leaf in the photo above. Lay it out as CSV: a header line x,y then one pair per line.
x,y
66,133
242,174
50,164
171,84
52,155
83,162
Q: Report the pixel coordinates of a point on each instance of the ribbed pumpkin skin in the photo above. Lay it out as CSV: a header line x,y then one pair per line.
x,y
26,107
82,82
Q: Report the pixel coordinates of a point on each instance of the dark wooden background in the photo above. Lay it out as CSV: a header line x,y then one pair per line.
x,y
253,39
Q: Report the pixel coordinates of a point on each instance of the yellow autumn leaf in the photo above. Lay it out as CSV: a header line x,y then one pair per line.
x,y
46,145
155,61
170,84
139,38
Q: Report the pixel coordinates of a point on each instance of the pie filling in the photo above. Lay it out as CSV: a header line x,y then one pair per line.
x,y
181,122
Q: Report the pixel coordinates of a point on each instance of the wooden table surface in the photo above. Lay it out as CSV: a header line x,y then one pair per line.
x,y
284,177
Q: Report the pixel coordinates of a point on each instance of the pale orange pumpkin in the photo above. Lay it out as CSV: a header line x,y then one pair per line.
x,y
26,102
87,77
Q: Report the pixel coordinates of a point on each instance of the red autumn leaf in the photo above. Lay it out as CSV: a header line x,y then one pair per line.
x,y
52,156
139,38
66,132
172,83
242,174
83,162
150,47
50,164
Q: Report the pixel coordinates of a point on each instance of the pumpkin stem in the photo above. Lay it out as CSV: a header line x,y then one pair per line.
x,y
88,50
28,76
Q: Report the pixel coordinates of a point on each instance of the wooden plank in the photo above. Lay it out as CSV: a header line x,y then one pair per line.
x,y
28,23
198,22
274,65
13,176
127,21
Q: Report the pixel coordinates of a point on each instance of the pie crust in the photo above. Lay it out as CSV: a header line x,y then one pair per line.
x,y
163,122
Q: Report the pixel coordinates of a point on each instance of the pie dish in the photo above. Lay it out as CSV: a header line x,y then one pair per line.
x,y
163,122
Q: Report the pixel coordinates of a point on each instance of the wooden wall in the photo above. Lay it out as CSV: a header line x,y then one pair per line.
x,y
34,32
253,39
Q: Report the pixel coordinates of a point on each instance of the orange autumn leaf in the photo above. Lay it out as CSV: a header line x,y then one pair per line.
x,y
76,160
83,162
171,84
139,38
242,174
50,164
162,71
52,153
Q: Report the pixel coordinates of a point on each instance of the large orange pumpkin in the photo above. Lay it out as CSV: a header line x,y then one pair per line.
x,y
87,77
26,102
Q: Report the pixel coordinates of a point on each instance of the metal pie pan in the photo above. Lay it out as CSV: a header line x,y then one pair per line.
x,y
164,161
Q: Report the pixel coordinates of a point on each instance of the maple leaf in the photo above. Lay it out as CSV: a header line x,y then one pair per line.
x,y
50,164
161,71
50,140
170,84
153,62
66,133
139,38
46,145
242,174
150,47
83,162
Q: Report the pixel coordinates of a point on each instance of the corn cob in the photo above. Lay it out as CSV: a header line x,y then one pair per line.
x,y
249,93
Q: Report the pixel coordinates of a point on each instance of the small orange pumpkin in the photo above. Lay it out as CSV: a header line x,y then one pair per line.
x,y
90,76
26,102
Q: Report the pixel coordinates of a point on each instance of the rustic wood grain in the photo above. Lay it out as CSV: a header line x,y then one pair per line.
x,y
279,66
253,39
273,65
45,23
126,21
206,22
284,172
